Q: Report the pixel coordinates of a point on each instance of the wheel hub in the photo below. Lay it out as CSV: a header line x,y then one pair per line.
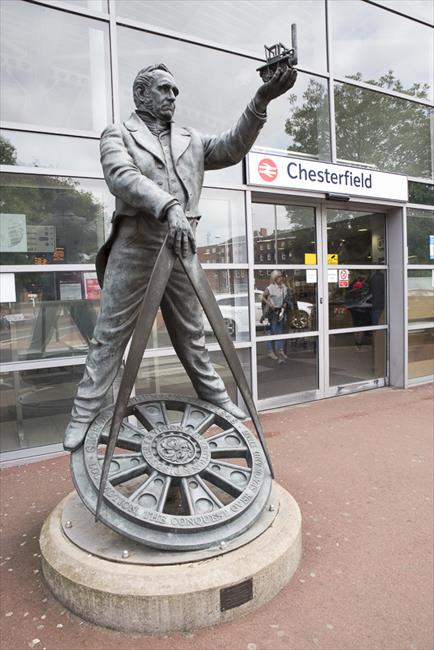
x,y
173,451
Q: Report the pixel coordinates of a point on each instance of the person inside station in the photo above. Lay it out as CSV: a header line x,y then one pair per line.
x,y
274,309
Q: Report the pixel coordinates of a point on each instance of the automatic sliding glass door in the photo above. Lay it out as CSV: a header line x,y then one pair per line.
x,y
355,274
331,335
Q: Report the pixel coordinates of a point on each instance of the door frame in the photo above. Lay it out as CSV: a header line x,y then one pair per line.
x,y
396,295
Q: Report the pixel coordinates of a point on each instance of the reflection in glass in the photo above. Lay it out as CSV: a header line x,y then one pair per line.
x,y
355,357
420,353
387,132
420,295
298,373
423,9
212,101
356,237
95,5
420,193
300,311
167,375
283,234
221,232
299,120
420,226
43,150
370,42
231,291
362,303
62,80
243,25
51,219
53,315
36,406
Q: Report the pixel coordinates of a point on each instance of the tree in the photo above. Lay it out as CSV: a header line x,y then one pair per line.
x,y
8,154
371,127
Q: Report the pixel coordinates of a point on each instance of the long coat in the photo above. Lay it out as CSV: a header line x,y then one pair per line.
x,y
135,170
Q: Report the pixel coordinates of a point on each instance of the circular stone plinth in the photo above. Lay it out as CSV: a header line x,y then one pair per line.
x,y
159,599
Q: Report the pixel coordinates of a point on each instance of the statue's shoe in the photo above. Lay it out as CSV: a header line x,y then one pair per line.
x,y
74,435
231,408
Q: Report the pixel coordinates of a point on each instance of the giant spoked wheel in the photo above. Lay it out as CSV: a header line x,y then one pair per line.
x,y
185,474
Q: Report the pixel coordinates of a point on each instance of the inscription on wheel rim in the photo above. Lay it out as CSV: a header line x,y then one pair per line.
x,y
181,466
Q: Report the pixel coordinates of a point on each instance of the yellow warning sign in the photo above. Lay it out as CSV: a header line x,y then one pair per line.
x,y
333,258
310,258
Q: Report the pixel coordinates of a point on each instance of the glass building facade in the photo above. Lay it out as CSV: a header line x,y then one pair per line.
x,y
363,97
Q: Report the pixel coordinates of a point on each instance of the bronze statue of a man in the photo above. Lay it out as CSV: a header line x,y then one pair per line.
x,y
155,170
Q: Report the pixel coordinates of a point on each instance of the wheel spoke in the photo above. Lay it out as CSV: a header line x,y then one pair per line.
x,y
186,496
197,497
228,477
227,444
129,438
196,419
151,415
152,494
127,474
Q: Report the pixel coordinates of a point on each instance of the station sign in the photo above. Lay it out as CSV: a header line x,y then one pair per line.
x,y
287,172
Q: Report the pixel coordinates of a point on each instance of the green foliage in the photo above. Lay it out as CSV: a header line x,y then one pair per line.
x,y
8,154
391,133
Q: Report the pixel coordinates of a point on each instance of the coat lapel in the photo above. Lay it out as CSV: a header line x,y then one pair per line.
x,y
143,136
180,140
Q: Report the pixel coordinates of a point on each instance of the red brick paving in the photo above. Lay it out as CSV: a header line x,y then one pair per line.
x,y
360,468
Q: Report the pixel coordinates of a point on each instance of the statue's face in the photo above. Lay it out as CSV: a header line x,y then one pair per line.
x,y
159,98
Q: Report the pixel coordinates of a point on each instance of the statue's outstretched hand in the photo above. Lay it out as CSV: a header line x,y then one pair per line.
x,y
282,80
181,236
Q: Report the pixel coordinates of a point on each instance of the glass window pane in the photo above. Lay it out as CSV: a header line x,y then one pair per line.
x,y
420,295
297,373
420,227
36,406
420,353
221,232
212,102
42,150
283,234
300,311
387,132
63,80
243,25
420,193
382,48
52,220
228,286
362,303
423,9
357,357
299,120
94,5
167,375
356,237
53,315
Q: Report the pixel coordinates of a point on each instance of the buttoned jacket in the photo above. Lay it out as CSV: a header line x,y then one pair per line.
x,y
135,170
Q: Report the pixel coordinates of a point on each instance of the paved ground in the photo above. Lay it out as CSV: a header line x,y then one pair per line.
x,y
361,469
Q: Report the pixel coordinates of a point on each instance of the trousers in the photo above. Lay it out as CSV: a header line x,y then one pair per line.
x,y
127,274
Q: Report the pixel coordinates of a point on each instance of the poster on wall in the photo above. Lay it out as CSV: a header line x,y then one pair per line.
x,y
431,247
92,290
13,233
343,278
70,291
7,287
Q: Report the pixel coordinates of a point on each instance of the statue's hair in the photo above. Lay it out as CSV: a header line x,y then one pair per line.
x,y
144,78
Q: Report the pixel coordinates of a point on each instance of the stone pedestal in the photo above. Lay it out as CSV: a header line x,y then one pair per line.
x,y
188,591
